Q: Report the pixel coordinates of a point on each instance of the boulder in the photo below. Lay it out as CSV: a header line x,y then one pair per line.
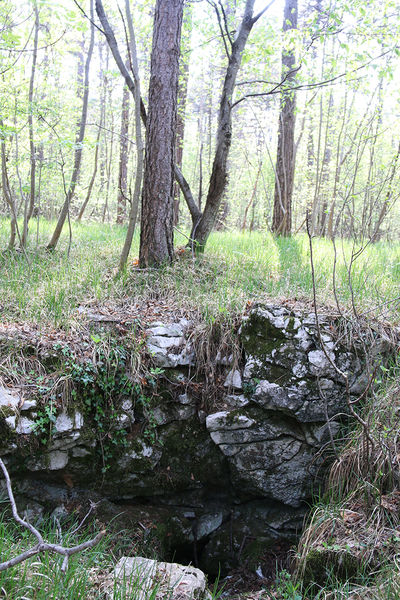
x,y
9,403
144,577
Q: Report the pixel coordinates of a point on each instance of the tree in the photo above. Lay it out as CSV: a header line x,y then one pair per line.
x,y
285,161
133,84
203,223
123,158
156,234
182,97
78,145
28,209
139,142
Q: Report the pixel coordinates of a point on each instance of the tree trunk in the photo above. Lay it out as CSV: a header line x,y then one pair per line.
x,y
282,216
388,197
139,143
202,227
156,236
123,159
253,195
92,179
7,195
182,95
109,157
29,208
79,141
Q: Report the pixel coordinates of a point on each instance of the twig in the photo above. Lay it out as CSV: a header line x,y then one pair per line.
x,y
344,375
93,506
41,546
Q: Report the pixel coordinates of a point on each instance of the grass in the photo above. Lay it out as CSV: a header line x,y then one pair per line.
x,y
41,577
236,268
350,547
89,574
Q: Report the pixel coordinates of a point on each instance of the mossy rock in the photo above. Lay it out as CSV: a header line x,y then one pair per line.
x,y
190,456
343,564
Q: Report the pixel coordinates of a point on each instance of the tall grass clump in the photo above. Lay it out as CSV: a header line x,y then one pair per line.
x,y
352,538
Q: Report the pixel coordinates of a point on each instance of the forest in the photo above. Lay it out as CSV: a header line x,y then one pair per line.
x,y
199,299
323,83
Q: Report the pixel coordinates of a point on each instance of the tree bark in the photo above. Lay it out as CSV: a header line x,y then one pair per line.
x,y
182,96
109,157
79,141
139,143
253,195
92,179
388,197
123,159
282,215
7,195
156,235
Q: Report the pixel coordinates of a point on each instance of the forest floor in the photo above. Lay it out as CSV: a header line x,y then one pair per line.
x,y
52,289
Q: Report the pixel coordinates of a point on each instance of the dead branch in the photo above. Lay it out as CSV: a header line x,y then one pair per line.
x,y
42,545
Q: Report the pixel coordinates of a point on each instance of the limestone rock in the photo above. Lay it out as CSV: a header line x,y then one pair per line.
x,y
171,331
251,528
168,346
28,404
32,512
53,461
234,380
78,420
25,426
223,419
64,423
165,342
8,403
11,421
164,580
199,460
164,358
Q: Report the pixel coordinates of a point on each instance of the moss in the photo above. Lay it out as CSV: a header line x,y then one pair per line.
x,y
290,324
7,435
7,411
254,552
189,456
259,337
233,416
322,562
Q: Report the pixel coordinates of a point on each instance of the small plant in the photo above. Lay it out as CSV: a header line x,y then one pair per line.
x,y
249,387
100,386
44,423
286,587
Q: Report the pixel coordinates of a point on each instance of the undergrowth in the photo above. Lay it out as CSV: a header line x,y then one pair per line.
x,y
350,547
236,268
90,573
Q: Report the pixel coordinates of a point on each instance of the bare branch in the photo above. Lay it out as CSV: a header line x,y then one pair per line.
x,y
88,18
260,14
328,356
211,3
41,546
225,22
16,516
305,86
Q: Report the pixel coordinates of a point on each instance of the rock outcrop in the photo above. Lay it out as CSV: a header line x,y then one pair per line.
x,y
235,477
